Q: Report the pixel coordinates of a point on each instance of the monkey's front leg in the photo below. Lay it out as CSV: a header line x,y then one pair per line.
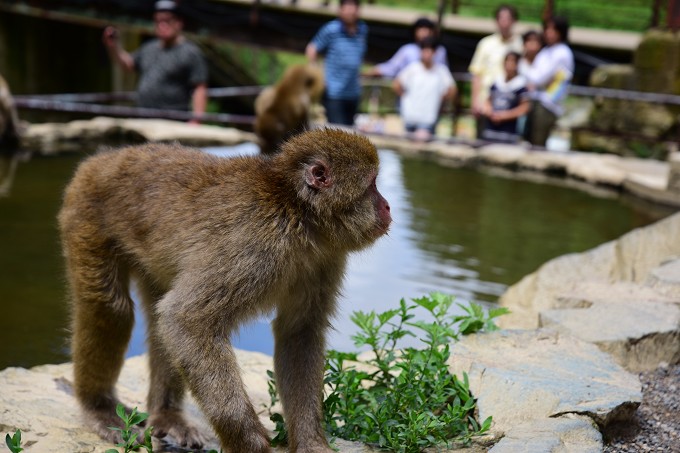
x,y
195,336
299,365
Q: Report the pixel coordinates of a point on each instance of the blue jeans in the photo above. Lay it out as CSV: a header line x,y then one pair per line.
x,y
340,111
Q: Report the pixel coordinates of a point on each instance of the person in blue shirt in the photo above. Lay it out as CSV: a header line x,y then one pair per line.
x,y
342,41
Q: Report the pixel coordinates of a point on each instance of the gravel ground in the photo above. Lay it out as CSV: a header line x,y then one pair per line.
x,y
657,427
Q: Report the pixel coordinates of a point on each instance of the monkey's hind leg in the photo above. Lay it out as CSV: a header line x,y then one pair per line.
x,y
103,317
166,387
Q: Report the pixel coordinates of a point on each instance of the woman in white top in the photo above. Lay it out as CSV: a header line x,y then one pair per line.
x,y
549,78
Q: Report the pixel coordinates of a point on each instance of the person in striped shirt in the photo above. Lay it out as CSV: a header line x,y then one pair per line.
x,y
342,42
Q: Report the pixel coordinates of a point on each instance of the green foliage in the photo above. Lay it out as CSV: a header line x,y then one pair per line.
x,y
132,420
14,442
129,433
406,399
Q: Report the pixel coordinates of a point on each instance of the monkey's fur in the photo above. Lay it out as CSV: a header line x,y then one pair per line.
x,y
284,109
213,242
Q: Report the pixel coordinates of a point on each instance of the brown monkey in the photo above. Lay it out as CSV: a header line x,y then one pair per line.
x,y
284,109
213,242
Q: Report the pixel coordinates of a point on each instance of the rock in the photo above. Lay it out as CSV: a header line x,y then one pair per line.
x,y
51,138
665,279
530,376
569,433
639,335
501,154
630,258
656,68
40,402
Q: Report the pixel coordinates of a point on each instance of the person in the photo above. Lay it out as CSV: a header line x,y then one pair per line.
x,y
343,43
408,53
532,43
423,86
549,78
11,128
487,61
172,71
508,101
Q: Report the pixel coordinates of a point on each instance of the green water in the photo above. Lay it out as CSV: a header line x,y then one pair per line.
x,y
460,231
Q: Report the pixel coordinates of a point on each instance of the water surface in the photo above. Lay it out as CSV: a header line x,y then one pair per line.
x,y
459,231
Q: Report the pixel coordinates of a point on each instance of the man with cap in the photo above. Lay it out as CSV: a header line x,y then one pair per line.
x,y
172,71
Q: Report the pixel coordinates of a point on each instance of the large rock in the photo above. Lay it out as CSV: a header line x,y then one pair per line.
x,y
50,138
40,402
656,68
630,258
568,433
526,377
623,296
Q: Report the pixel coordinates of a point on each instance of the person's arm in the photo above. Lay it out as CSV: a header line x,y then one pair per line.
x,y
450,88
478,66
506,115
441,57
398,87
311,53
391,67
116,53
199,101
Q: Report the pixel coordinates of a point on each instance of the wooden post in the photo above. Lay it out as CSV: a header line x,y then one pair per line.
x,y
548,9
673,15
656,7
455,6
440,15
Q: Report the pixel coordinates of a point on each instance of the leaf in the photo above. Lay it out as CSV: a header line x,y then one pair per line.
x,y
138,418
120,411
496,312
386,316
111,450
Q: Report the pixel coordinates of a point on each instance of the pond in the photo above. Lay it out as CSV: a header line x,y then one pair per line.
x,y
460,231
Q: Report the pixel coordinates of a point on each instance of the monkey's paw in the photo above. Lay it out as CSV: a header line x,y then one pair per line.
x,y
102,420
173,424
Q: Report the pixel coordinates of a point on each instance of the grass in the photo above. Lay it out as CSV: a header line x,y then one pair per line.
x,y
628,15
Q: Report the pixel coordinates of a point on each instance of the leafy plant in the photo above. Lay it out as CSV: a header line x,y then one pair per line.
x,y
405,399
14,442
129,433
132,420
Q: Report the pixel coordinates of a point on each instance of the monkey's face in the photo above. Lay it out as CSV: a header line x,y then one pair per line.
x,y
338,184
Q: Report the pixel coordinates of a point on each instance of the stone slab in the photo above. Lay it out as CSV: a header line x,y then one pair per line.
x,y
570,433
523,376
638,335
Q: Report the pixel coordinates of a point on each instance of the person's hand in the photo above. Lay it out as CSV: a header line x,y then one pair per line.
x,y
497,117
110,37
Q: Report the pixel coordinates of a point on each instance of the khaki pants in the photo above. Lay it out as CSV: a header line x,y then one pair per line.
x,y
540,121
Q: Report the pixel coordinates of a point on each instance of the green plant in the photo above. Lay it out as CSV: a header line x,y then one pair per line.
x,y
14,442
405,399
132,420
129,434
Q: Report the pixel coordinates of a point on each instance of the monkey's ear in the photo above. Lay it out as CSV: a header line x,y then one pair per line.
x,y
318,175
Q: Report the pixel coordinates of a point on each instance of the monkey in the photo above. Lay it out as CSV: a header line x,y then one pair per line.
x,y
211,243
287,107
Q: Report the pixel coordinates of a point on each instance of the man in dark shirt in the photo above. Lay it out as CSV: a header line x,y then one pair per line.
x,y
172,71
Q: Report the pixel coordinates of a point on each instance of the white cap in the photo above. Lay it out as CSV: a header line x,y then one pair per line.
x,y
165,5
